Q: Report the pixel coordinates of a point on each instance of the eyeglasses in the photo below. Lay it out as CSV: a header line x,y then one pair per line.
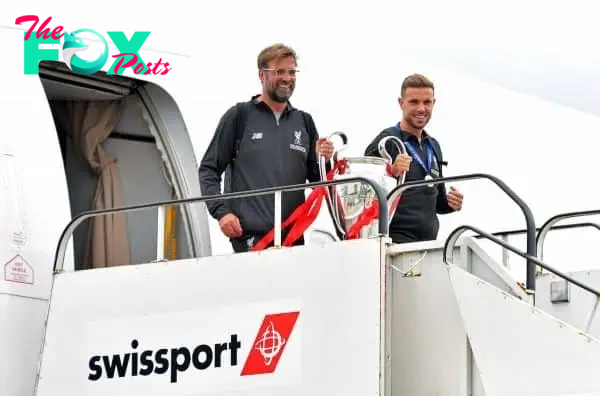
x,y
282,72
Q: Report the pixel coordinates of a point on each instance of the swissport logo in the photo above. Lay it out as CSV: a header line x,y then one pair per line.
x,y
270,343
264,355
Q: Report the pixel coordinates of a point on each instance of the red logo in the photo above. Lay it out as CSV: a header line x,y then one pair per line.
x,y
270,342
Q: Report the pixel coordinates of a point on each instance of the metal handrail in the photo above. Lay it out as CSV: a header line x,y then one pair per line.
x,y
506,233
541,237
453,238
77,220
529,221
554,228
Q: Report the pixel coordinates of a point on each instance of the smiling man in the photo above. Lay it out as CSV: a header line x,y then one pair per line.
x,y
416,217
264,142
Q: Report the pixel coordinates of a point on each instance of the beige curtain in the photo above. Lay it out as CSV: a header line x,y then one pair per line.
x,y
89,124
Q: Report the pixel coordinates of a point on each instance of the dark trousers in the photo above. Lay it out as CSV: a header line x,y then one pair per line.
x,y
399,237
246,241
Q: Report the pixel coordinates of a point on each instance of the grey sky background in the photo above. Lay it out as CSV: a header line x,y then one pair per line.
x,y
353,56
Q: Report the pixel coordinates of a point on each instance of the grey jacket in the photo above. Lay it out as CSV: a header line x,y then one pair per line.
x,y
257,150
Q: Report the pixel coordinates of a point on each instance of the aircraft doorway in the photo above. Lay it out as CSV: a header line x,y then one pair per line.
x,y
116,154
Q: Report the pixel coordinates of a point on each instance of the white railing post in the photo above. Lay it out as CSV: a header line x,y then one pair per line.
x,y
277,242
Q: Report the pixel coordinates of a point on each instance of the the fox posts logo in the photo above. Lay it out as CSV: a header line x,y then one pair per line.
x,y
73,44
263,356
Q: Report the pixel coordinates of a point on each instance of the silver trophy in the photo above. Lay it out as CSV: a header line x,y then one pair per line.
x,y
346,202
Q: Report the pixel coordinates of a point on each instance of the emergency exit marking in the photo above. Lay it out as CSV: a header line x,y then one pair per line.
x,y
18,270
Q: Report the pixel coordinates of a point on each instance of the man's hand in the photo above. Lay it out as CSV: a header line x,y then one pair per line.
x,y
455,199
325,148
401,164
230,225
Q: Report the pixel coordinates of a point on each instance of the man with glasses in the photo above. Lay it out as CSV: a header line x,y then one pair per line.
x,y
264,142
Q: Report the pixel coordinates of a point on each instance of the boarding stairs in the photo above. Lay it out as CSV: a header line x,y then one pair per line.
x,y
357,317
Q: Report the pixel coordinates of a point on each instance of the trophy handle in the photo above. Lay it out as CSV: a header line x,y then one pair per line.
x,y
322,159
392,201
386,155
344,145
330,190
383,151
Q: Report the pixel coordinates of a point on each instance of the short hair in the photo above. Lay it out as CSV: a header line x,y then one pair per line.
x,y
416,81
275,51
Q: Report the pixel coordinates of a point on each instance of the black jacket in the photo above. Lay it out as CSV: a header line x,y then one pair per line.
x,y
259,151
416,217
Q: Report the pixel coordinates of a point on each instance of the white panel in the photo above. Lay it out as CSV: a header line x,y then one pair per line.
x,y
429,343
479,263
577,310
21,334
34,209
521,350
333,349
475,384
34,203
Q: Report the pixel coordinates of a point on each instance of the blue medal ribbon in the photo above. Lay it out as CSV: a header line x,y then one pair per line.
x,y
417,157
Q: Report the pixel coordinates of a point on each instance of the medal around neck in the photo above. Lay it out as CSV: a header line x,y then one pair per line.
x,y
428,177
425,165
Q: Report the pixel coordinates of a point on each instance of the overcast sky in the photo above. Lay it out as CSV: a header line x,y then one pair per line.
x,y
353,56
548,49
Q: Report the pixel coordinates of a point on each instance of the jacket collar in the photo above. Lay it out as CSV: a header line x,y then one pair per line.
x,y
407,136
255,100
